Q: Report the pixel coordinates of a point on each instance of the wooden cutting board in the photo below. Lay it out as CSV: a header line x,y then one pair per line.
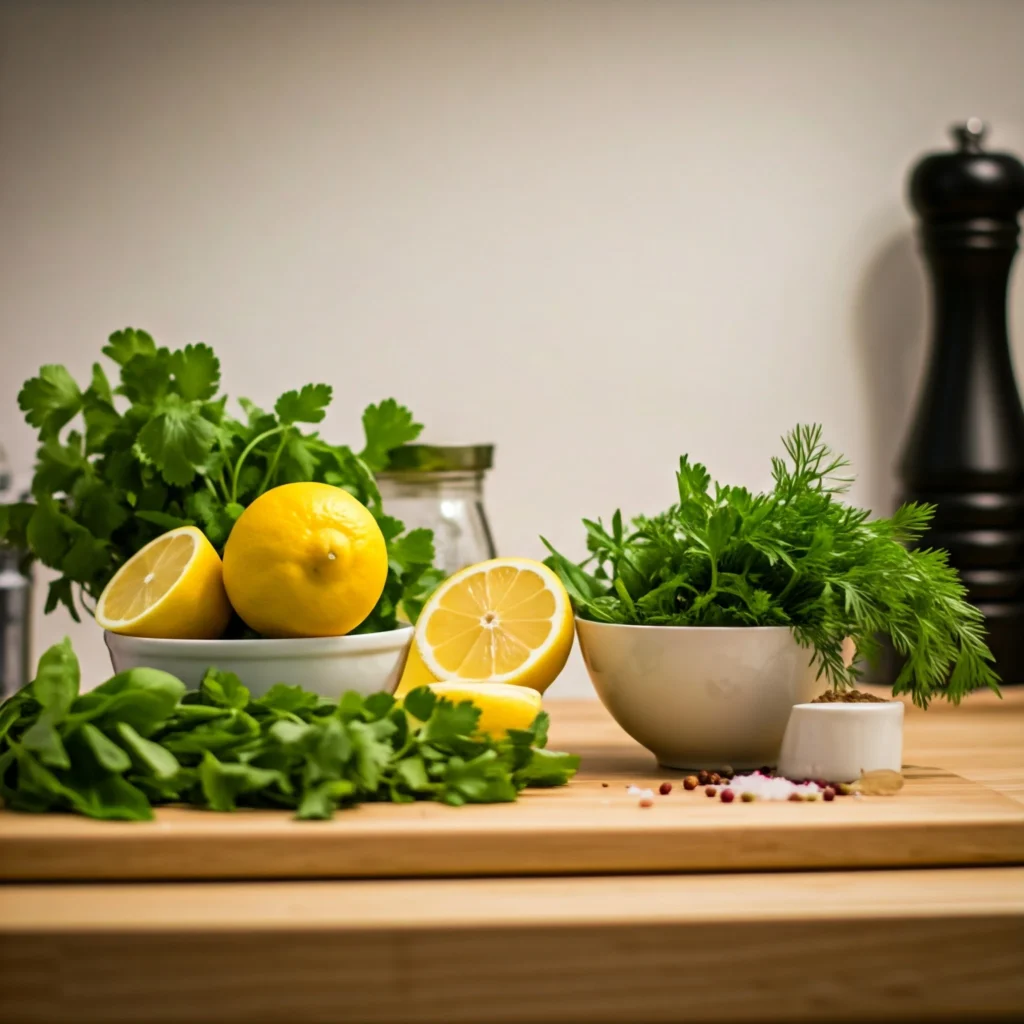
x,y
591,826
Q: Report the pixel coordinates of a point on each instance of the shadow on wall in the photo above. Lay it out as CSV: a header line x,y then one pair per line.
x,y
890,333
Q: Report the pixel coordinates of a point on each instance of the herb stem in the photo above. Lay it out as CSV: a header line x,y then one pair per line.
x,y
247,451
272,467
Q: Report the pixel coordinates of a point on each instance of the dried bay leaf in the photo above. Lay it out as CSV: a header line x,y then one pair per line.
x,y
880,782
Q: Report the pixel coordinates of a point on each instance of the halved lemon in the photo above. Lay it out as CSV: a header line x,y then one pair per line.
x,y
502,706
172,588
504,621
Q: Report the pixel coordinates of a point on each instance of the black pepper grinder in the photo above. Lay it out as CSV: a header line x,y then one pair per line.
x,y
965,451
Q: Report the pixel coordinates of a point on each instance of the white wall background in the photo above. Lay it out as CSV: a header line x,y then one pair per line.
x,y
596,234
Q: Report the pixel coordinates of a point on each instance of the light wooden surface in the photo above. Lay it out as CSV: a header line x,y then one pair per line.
x,y
790,946
592,826
860,946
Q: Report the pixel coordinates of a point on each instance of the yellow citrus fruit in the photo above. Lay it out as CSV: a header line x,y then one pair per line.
x,y
502,706
504,621
173,588
415,673
305,559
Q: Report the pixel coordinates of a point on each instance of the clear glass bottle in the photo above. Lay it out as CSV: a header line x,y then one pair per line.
x,y
441,487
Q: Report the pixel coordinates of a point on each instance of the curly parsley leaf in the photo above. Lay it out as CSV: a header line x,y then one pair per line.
x,y
306,406
387,425
50,400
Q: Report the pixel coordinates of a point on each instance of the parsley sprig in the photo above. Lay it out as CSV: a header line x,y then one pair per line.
x,y
139,740
162,450
796,556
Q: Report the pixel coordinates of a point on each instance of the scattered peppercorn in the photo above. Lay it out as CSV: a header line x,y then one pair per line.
x,y
829,794
716,779
748,797
844,789
794,798
811,796
820,783
690,782
767,770
728,796
710,791
646,802
604,785
665,788
703,777
728,773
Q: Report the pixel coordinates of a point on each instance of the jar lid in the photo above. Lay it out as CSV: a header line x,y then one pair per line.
x,y
436,458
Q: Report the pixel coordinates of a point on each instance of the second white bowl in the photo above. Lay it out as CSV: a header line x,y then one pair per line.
x,y
700,696
327,665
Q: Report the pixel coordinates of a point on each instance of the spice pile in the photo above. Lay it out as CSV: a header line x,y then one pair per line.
x,y
762,784
848,697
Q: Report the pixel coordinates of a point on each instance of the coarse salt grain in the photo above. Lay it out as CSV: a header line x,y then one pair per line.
x,y
771,787
644,794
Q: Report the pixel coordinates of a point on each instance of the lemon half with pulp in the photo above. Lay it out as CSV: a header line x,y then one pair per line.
x,y
508,620
173,588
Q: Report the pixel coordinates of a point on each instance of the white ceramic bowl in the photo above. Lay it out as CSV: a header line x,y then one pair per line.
x,y
327,665
839,742
700,696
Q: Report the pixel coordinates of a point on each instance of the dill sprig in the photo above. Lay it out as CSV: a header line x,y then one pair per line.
x,y
796,556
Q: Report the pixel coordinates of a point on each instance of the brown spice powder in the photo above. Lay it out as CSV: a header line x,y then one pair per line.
x,y
848,697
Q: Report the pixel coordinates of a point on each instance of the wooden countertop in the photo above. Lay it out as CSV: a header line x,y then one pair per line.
x,y
851,945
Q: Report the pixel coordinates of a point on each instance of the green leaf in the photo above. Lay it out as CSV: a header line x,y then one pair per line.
x,y
107,753
289,699
44,741
196,372
415,547
412,772
146,379
224,689
305,406
548,768
420,702
124,345
483,779
387,426
112,798
50,400
144,698
59,466
57,680
223,782
163,520
449,721
178,440
151,756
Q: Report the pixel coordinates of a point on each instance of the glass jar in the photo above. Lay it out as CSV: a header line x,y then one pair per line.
x,y
441,488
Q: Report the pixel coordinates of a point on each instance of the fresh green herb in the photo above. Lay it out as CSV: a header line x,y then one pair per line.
x,y
797,557
140,740
161,450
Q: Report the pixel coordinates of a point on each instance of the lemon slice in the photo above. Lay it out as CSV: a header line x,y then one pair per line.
x,y
171,588
502,706
504,621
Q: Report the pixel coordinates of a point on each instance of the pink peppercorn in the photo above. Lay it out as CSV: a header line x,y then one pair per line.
x,y
646,802
829,794
665,788
710,791
690,782
728,796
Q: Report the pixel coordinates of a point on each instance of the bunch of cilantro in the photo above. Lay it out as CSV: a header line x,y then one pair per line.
x,y
796,556
161,450
140,739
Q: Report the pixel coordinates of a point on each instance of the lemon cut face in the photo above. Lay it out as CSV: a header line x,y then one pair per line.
x,y
173,588
504,621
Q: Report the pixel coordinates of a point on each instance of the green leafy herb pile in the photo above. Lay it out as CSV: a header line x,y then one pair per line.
x,y
140,739
798,557
161,450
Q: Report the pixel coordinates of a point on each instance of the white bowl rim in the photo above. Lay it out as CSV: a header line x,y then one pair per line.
x,y
684,629
361,643
854,705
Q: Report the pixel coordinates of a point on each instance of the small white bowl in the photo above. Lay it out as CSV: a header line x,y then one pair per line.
x,y
700,696
839,742
329,665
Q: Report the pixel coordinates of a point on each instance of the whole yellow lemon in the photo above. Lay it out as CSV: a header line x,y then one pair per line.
x,y
305,559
